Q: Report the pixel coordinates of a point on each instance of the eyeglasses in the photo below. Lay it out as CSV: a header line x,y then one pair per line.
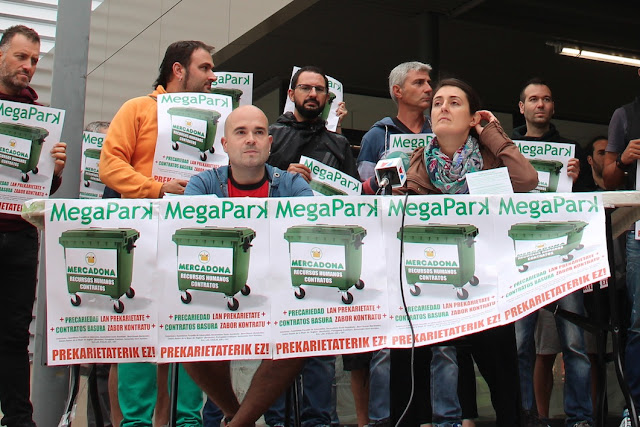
x,y
307,89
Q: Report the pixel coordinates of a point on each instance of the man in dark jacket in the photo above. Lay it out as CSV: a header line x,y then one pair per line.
x,y
19,54
303,132
537,106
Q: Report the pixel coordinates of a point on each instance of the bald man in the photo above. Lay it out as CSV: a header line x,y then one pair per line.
x,y
248,143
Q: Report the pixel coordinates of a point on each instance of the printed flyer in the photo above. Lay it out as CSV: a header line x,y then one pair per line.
x,y
214,270
407,142
327,181
550,159
336,96
329,292
553,245
449,279
27,135
90,185
101,282
190,126
239,86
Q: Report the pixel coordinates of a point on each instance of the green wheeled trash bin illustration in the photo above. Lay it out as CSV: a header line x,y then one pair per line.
x,y
235,95
194,127
322,188
20,147
326,255
440,254
91,162
327,106
214,259
100,261
548,174
538,240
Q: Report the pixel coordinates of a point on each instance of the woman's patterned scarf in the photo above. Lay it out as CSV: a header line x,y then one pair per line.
x,y
448,175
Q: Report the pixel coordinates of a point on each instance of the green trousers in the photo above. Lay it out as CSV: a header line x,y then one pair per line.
x,y
137,390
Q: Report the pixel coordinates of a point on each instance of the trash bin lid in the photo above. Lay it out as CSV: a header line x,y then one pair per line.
x,y
546,165
517,231
99,233
235,233
348,231
196,113
18,130
236,93
440,229
93,153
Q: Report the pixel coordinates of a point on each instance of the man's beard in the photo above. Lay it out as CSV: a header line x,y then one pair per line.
x,y
11,81
309,113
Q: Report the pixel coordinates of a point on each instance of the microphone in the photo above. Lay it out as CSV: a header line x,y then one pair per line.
x,y
392,170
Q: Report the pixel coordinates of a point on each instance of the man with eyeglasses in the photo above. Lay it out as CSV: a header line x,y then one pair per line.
x,y
303,132
299,133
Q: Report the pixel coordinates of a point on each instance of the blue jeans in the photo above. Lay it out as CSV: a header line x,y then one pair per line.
x,y
444,386
211,415
379,377
316,399
632,367
577,385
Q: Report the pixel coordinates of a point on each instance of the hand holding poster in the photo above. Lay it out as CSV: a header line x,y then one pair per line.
x,y
27,135
190,126
334,96
550,159
91,187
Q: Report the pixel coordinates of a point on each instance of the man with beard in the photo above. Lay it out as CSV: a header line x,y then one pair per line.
x,y
19,54
303,133
126,162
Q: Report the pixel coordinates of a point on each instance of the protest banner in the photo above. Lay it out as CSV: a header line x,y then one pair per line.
x,y
328,181
91,187
550,159
27,135
291,277
190,126
407,142
239,86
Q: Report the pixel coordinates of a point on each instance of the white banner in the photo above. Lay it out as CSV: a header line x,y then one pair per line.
x,y
239,86
91,187
550,159
27,135
288,277
190,126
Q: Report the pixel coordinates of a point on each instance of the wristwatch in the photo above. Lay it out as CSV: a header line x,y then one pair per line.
x,y
619,163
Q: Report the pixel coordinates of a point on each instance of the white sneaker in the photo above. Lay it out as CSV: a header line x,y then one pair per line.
x,y
626,419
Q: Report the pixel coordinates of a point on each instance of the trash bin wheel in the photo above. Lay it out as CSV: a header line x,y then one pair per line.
x,y
35,170
87,183
175,146
233,304
246,290
523,268
299,293
580,246
348,298
474,281
415,290
203,156
25,177
567,258
360,284
212,150
118,306
462,293
130,293
75,300
186,297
